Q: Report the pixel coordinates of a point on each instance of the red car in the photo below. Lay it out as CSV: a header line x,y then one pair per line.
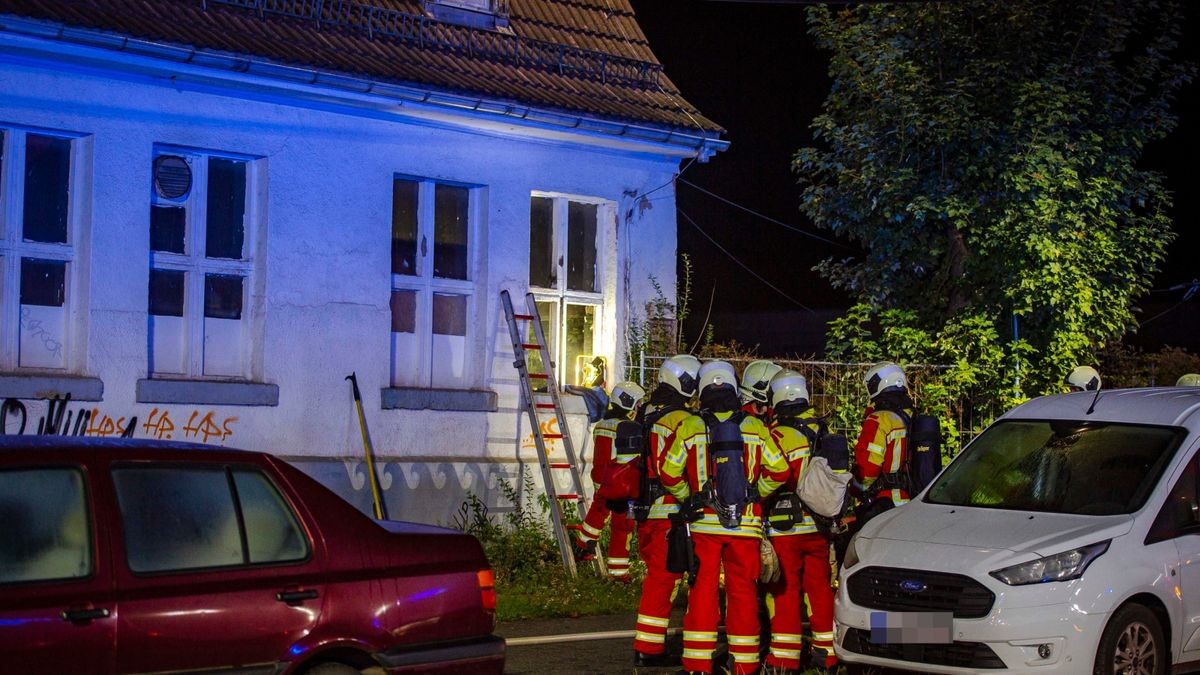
x,y
132,556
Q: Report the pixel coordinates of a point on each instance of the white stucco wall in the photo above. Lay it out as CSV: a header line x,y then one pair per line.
x,y
324,265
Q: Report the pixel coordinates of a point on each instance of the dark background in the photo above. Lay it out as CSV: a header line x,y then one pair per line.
x,y
753,68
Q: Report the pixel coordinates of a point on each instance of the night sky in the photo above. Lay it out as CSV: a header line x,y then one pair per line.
x,y
753,68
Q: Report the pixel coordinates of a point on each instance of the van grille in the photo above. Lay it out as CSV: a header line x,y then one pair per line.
x,y
959,654
898,590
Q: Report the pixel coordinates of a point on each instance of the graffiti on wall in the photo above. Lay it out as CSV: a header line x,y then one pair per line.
x,y
202,426
549,427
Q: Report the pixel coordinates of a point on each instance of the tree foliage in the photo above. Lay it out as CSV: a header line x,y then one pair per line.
x,y
985,156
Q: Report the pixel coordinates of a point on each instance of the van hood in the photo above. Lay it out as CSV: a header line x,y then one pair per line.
x,y
994,529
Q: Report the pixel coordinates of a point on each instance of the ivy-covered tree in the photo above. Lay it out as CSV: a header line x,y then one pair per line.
x,y
985,156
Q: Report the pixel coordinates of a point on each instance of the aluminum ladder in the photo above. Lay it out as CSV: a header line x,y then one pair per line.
x,y
532,405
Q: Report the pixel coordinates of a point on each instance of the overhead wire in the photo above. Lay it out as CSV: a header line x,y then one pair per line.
x,y
764,216
743,265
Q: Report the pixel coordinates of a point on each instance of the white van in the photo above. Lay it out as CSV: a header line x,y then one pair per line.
x,y
1064,539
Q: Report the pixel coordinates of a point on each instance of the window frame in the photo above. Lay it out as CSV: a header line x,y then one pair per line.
x,y
14,247
426,285
227,470
561,296
196,266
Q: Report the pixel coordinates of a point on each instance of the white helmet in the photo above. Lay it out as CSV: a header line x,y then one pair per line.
x,y
756,380
1189,380
788,386
717,374
1083,378
626,395
884,376
679,373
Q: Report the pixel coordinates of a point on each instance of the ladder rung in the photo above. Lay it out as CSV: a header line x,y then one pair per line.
x,y
561,466
567,497
574,527
545,406
538,376
523,317
552,436
530,345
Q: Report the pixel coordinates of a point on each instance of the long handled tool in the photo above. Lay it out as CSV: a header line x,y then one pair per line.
x,y
380,510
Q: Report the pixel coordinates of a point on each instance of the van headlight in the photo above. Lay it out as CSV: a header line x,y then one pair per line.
x,y
1058,567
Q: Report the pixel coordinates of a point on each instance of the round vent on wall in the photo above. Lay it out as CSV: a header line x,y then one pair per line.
x,y
172,176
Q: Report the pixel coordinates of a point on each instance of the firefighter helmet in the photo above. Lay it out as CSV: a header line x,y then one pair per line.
x,y
883,377
1083,378
717,374
1189,380
756,380
626,395
679,373
788,386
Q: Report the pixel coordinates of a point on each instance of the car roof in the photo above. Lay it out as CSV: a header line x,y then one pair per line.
x,y
1166,406
117,446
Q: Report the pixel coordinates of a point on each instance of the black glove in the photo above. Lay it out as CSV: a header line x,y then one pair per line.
x,y
692,509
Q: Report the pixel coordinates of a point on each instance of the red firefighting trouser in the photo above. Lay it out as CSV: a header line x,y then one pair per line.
x,y
741,559
618,541
654,611
804,570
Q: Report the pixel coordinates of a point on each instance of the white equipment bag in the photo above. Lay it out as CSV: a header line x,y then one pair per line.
x,y
821,490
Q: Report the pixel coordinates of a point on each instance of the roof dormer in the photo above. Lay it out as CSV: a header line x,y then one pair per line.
x,y
486,14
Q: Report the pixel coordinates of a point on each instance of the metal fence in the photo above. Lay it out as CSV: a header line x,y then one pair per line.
x,y
836,389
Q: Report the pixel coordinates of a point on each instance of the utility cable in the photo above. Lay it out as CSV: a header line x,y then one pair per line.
x,y
743,265
765,217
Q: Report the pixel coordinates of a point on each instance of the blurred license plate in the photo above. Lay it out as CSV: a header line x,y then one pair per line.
x,y
912,628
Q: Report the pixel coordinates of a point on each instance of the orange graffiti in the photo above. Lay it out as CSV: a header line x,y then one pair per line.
x,y
207,427
103,425
159,425
548,427
203,426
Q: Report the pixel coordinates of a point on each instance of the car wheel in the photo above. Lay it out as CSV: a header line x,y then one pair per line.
x,y
332,669
1132,644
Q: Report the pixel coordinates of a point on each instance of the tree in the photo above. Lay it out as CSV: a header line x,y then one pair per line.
x,y
985,156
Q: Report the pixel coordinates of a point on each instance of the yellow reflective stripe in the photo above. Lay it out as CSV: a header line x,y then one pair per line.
x,y
590,530
660,511
790,638
650,637
700,635
653,620
785,653
743,639
823,636
701,654
745,658
618,561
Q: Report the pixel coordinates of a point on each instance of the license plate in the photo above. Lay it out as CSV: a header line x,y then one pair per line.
x,y
912,628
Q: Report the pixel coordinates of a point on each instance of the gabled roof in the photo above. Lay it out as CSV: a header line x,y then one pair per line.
x,y
581,56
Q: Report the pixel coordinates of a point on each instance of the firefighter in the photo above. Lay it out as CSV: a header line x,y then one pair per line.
x,y
719,464
802,549
613,446
1083,378
664,413
1189,380
879,452
756,387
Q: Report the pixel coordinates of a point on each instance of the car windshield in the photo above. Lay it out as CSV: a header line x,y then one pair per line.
x,y
1058,467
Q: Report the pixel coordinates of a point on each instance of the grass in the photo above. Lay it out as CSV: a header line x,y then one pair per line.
x,y
554,593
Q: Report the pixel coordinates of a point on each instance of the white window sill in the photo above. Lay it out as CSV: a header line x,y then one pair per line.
x,y
16,385
207,392
417,398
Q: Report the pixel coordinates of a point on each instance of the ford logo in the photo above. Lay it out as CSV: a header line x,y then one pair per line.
x,y
912,586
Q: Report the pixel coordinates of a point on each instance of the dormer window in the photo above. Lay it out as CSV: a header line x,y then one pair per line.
x,y
486,14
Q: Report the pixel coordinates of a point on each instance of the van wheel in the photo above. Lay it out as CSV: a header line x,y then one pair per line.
x,y
1132,644
332,669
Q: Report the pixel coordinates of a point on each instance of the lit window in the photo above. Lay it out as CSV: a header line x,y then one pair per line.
x,y
564,275
201,223
486,14
432,286
38,180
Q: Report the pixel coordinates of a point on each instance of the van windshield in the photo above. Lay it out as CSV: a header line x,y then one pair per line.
x,y
1058,467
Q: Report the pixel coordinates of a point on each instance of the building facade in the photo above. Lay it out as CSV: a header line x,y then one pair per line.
x,y
213,212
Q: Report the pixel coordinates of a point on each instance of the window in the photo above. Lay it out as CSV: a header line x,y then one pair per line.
x,y
1180,514
191,517
432,287
564,275
201,226
486,14
37,250
47,534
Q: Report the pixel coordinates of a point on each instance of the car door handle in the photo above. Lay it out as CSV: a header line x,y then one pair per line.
x,y
84,615
295,597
